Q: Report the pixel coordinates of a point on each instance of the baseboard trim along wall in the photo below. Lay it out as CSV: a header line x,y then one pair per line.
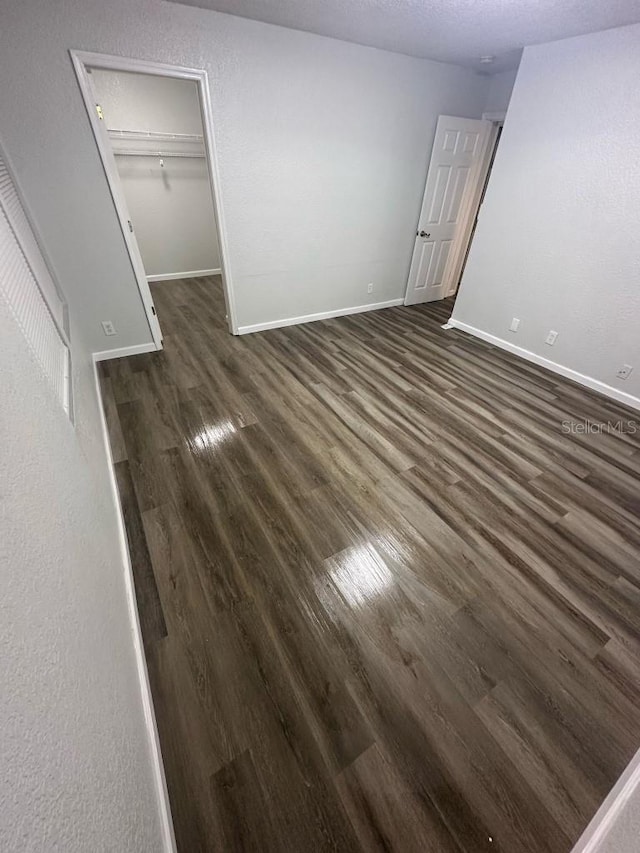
x,y
323,315
123,352
627,786
169,841
169,276
569,373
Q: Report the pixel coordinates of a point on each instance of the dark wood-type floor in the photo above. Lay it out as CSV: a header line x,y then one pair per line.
x,y
388,602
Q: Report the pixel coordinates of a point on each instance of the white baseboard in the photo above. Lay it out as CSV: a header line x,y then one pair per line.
x,y
323,315
627,786
169,276
123,352
568,372
164,808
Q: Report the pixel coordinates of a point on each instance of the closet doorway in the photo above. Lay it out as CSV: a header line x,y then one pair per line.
x,y
153,128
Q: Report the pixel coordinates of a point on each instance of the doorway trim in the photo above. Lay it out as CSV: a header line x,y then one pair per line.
x,y
82,61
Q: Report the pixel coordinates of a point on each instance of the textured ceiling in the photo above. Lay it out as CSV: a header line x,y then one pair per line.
x,y
458,31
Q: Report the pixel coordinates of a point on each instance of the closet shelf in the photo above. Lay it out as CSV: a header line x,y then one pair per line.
x,y
147,143
123,152
142,135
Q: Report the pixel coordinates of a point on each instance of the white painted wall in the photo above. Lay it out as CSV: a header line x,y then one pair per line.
x,y
147,102
557,242
615,828
76,769
500,89
323,149
623,834
170,205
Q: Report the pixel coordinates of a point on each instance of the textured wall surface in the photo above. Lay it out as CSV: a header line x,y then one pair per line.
x,y
170,205
500,89
323,149
615,828
557,242
624,834
76,770
147,102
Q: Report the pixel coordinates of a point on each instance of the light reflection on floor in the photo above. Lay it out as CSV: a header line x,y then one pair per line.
x,y
212,436
360,575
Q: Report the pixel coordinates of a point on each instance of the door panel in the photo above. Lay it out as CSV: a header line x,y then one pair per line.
x,y
457,146
443,177
443,256
456,195
426,256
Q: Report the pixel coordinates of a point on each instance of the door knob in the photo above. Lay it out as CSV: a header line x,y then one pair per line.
x,y
424,234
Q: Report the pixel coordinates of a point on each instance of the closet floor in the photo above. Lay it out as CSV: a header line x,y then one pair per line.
x,y
388,582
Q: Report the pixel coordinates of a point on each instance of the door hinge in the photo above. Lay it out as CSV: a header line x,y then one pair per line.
x,y
99,111
130,225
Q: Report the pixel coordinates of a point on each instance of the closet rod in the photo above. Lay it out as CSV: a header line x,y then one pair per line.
x,y
161,154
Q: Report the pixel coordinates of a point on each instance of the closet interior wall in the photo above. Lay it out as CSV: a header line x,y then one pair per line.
x,y
156,132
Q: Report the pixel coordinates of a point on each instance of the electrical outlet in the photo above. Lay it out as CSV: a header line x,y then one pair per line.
x,y
624,371
370,287
514,325
108,328
551,338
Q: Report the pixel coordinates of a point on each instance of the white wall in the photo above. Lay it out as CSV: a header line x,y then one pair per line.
x,y
170,205
500,89
557,242
147,102
76,770
624,832
323,148
615,828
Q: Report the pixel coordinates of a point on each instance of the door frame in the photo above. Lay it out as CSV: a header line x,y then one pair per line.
x,y
471,202
82,62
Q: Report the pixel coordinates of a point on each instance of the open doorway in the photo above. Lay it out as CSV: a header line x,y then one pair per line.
x,y
156,134
461,160
153,128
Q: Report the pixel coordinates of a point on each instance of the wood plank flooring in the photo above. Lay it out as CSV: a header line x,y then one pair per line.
x,y
389,602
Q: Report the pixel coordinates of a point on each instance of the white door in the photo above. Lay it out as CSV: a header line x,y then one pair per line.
x,y
457,148
98,125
